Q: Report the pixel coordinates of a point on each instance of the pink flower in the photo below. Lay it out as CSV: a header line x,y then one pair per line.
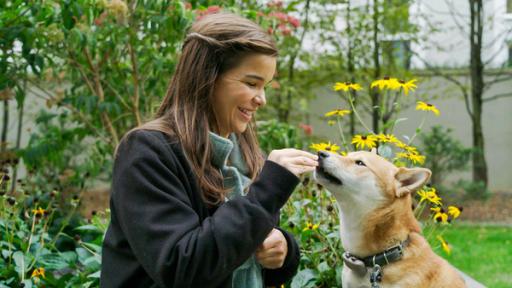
x,y
284,29
275,3
213,9
308,129
279,15
294,21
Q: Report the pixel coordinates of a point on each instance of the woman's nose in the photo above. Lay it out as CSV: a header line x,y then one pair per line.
x,y
260,99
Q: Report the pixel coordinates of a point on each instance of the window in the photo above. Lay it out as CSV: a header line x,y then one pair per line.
x,y
396,53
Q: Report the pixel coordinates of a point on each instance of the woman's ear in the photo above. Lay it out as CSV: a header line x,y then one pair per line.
x,y
410,179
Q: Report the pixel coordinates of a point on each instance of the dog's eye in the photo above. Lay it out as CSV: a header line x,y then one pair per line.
x,y
360,163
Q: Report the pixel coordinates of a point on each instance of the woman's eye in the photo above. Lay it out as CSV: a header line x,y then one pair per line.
x,y
251,84
360,163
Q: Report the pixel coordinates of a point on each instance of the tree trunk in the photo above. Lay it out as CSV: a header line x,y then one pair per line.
x,y
477,85
350,67
5,126
376,51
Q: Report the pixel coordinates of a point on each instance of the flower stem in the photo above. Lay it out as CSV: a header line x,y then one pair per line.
x,y
357,114
344,142
416,132
31,232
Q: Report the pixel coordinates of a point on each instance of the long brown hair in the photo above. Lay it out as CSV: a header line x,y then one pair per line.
x,y
213,45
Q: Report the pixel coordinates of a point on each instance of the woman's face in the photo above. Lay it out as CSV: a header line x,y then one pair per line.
x,y
240,91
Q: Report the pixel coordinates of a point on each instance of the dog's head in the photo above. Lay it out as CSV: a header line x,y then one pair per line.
x,y
365,179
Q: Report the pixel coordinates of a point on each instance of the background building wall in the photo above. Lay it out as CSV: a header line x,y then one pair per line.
x,y
497,123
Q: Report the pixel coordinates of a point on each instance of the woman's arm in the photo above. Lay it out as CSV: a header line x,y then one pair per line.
x,y
152,204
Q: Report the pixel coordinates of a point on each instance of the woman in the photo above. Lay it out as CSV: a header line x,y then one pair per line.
x,y
194,203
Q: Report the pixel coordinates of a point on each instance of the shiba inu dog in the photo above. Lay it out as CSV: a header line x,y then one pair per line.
x,y
382,238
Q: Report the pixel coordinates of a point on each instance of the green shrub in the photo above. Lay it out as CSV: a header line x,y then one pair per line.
x,y
41,244
445,153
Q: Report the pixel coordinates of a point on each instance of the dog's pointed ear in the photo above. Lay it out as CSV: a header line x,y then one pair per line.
x,y
410,179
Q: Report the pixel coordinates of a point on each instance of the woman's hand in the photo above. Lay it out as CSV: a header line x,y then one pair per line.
x,y
297,161
273,251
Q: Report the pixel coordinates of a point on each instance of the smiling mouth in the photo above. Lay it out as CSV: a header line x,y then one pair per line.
x,y
245,112
331,178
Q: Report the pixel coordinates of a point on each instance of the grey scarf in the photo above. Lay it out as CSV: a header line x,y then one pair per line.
x,y
248,275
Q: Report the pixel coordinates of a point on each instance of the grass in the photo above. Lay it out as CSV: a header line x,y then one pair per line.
x,y
484,252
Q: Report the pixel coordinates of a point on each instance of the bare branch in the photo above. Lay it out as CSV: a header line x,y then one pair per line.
x,y
504,95
135,77
450,78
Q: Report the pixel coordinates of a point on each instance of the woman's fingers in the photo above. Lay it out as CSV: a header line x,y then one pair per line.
x,y
296,161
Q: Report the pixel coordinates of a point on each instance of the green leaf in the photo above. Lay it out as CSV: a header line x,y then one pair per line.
x,y
323,267
304,279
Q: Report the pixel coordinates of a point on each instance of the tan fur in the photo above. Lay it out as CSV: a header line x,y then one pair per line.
x,y
381,193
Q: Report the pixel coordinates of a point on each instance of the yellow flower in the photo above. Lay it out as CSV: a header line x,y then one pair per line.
x,y
410,149
407,85
310,226
331,122
441,217
436,209
446,247
38,272
346,86
361,141
427,107
337,112
38,211
386,83
324,147
454,211
429,195
343,153
415,158
385,138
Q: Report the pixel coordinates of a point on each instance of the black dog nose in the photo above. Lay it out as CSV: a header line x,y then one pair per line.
x,y
322,154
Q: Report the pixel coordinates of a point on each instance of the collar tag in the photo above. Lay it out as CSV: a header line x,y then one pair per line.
x,y
355,264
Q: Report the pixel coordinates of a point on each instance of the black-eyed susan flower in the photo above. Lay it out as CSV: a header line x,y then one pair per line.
x,y
345,86
310,226
337,112
441,217
386,83
454,211
427,107
403,146
39,211
325,147
362,141
446,247
387,138
406,86
38,272
343,153
414,158
430,195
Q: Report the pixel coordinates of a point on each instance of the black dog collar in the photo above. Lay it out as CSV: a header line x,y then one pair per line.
x,y
361,265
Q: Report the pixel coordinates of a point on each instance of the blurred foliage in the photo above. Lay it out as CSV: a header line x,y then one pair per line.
x,y
42,245
445,153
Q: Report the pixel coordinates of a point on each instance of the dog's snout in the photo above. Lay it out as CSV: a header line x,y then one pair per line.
x,y
322,154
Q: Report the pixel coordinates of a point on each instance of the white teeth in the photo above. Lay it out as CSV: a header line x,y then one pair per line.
x,y
245,111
